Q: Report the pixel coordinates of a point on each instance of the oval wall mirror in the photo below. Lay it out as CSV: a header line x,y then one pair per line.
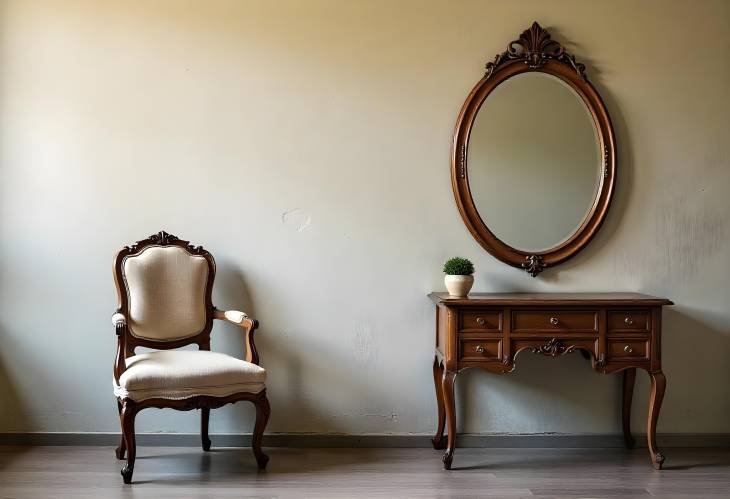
x,y
533,164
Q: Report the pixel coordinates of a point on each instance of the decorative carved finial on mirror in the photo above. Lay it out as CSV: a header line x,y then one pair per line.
x,y
535,47
533,265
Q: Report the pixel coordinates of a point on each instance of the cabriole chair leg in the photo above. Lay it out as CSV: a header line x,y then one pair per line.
x,y
129,412
121,450
263,411
204,418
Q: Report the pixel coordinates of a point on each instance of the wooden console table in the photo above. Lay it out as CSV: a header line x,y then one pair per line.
x,y
616,331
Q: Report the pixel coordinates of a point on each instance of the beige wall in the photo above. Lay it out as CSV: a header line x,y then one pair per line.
x,y
306,144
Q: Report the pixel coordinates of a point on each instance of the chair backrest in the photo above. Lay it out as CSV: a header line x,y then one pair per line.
x,y
164,286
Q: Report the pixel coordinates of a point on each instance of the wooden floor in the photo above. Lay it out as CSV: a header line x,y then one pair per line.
x,y
93,472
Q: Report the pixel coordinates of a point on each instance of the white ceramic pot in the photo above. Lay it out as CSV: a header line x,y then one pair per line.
x,y
459,285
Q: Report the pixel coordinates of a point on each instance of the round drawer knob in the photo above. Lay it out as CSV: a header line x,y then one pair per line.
x,y
480,349
481,321
628,349
554,321
629,321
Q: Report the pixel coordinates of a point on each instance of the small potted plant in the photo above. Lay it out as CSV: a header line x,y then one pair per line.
x,y
459,276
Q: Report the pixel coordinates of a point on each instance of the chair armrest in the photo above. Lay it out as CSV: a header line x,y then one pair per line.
x,y
118,320
249,325
120,327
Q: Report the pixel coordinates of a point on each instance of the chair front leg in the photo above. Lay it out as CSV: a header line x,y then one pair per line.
x,y
204,418
263,411
122,448
129,411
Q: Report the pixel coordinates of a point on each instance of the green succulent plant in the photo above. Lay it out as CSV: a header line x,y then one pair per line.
x,y
458,266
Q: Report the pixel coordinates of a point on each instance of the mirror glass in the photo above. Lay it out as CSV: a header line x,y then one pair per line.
x,y
534,161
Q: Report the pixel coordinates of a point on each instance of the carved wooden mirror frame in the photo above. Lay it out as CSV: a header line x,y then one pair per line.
x,y
534,51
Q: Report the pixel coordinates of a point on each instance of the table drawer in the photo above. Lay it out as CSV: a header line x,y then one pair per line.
x,y
481,320
637,321
480,349
628,349
564,320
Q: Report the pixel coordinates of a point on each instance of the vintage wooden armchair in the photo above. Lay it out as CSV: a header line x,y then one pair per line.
x,y
164,287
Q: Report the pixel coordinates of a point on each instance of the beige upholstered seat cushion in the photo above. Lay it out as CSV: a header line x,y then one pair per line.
x,y
166,287
180,374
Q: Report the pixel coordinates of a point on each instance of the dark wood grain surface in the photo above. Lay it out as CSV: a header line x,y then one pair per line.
x,y
618,299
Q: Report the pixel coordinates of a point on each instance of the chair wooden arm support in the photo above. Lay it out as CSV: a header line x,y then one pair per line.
x,y
120,326
118,319
249,326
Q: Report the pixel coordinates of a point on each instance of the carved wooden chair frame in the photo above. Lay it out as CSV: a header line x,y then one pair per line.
x,y
127,342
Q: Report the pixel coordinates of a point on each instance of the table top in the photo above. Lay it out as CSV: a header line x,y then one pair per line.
x,y
487,299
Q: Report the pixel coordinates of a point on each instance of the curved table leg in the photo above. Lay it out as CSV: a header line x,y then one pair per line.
x,y
628,394
438,438
447,384
658,385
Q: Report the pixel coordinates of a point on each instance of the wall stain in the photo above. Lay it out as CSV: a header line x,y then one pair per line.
x,y
687,234
684,235
364,344
297,219
392,417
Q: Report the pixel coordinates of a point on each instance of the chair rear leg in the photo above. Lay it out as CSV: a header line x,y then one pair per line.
x,y
263,411
129,411
204,417
122,448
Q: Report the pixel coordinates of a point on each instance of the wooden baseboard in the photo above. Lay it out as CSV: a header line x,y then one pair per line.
x,y
365,441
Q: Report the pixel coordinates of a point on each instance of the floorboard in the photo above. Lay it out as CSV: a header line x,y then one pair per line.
x,y
184,472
